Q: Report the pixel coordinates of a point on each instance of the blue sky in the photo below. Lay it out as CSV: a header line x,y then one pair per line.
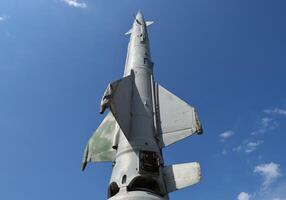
x,y
225,57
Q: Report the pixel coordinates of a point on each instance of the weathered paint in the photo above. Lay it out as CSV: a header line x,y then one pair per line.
x,y
99,147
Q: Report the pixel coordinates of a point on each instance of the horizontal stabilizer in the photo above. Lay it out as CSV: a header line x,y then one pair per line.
x,y
100,145
178,119
148,23
181,175
117,97
128,32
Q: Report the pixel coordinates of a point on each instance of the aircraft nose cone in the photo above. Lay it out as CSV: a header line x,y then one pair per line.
x,y
140,17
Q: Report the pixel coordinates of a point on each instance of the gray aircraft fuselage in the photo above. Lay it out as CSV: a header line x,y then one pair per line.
x,y
142,132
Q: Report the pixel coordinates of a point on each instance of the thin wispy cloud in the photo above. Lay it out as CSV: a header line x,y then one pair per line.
x,y
75,3
248,146
224,152
265,124
269,172
268,122
252,146
4,18
238,148
272,193
223,137
275,111
243,196
226,135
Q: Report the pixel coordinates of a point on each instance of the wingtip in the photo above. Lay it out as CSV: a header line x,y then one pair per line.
x,y
200,131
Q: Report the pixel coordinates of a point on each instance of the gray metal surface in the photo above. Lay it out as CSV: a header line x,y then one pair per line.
x,y
176,178
118,97
182,122
147,118
138,195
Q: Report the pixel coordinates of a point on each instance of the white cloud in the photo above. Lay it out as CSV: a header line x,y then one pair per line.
x,y
272,193
226,135
266,121
265,124
237,149
4,17
75,3
269,171
275,111
224,152
243,196
248,146
252,146
267,191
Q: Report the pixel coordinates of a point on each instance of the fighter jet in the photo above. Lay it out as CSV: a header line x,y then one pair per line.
x,y
144,118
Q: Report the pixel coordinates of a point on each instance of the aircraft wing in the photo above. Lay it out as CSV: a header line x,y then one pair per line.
x,y
100,146
178,120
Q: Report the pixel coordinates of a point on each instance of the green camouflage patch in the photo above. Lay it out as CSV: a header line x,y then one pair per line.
x,y
99,147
